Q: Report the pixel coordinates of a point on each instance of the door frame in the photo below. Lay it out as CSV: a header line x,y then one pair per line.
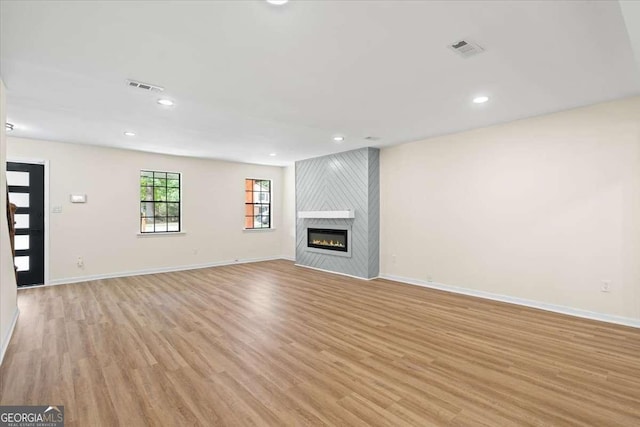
x,y
45,163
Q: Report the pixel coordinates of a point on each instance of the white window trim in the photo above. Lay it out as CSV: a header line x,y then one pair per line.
x,y
162,233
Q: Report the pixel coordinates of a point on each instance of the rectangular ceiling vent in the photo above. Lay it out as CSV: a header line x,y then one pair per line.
x,y
466,48
144,86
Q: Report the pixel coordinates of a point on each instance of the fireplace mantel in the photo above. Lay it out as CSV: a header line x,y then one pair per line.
x,y
326,214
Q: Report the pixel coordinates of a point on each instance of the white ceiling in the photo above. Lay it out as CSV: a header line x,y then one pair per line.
x,y
249,78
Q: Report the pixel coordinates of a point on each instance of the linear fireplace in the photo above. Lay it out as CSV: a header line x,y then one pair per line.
x,y
331,241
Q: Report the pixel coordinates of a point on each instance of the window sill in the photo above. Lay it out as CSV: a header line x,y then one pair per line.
x,y
162,233
258,229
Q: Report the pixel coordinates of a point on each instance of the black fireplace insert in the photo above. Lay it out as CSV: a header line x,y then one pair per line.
x,y
329,239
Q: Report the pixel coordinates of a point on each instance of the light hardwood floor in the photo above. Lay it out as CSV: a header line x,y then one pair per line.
x,y
274,344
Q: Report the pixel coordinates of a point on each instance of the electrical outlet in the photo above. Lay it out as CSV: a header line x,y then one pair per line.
x,y
393,259
80,262
429,278
606,286
56,209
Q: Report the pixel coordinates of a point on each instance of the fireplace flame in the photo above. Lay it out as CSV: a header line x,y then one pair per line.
x,y
333,243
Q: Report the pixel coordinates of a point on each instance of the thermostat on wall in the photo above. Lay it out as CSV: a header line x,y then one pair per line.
x,y
78,198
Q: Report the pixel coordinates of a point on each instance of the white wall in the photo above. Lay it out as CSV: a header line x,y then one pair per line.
x,y
8,306
104,231
289,213
540,209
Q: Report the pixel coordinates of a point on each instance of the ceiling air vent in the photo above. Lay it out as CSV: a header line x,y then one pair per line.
x,y
465,48
144,86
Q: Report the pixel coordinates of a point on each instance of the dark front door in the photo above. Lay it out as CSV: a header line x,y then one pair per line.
x,y
26,191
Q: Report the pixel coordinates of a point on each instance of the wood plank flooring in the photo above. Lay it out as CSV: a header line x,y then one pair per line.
x,y
274,344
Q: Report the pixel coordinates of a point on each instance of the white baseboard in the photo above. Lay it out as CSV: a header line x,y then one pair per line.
x,y
335,272
79,279
576,312
627,321
9,334
288,258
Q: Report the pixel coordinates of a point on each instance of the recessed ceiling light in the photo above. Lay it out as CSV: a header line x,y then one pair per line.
x,y
277,2
338,138
480,99
8,126
273,154
165,102
129,133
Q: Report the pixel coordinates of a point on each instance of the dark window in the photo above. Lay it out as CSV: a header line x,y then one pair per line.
x,y
159,202
257,203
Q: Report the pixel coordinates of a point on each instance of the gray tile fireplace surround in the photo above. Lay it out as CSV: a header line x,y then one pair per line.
x,y
338,182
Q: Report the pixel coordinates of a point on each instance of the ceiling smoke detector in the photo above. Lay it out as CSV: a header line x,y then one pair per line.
x,y
466,48
144,86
